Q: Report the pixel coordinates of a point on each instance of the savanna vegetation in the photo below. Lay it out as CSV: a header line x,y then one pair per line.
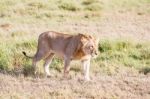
x,y
21,20
121,25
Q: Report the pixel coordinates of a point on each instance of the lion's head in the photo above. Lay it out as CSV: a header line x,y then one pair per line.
x,y
89,45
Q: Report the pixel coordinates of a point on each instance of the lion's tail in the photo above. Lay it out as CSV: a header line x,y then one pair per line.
x,y
24,53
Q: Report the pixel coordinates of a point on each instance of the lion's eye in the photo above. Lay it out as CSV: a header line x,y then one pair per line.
x,y
91,47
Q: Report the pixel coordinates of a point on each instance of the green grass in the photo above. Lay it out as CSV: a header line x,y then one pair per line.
x,y
37,14
72,5
124,53
50,12
51,9
34,8
113,54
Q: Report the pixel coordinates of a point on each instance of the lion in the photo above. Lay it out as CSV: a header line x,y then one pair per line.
x,y
69,47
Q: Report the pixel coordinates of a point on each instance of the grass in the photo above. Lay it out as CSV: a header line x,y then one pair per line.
x,y
36,8
52,9
113,53
53,12
29,17
21,21
125,53
69,5
127,5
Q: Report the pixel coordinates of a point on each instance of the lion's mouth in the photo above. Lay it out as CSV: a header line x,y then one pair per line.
x,y
94,55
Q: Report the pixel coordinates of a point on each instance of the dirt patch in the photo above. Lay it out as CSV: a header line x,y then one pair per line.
x,y
125,25
101,87
114,25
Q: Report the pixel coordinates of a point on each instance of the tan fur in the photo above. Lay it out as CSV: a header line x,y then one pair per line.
x,y
69,47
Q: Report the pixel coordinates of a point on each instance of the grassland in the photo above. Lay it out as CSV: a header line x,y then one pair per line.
x,y
122,26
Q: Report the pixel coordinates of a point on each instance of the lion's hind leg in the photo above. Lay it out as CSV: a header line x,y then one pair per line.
x,y
41,54
48,61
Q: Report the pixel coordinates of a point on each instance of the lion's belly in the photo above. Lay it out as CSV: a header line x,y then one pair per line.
x,y
58,53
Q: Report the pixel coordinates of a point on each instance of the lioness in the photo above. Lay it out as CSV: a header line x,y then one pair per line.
x,y
69,47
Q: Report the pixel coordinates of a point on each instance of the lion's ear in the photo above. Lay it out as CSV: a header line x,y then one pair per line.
x,y
83,39
89,36
81,35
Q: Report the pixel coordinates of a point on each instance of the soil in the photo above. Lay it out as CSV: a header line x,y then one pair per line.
x,y
100,87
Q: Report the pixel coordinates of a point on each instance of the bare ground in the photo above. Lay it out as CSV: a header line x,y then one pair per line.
x,y
101,87
128,25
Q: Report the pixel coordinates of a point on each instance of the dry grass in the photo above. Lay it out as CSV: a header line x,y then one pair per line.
x,y
102,87
122,26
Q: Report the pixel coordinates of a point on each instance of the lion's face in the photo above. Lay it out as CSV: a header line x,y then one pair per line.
x,y
90,46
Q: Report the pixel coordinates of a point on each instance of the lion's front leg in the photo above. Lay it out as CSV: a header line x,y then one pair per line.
x,y
86,69
66,66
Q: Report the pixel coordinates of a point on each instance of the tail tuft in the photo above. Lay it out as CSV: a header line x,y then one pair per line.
x,y
24,53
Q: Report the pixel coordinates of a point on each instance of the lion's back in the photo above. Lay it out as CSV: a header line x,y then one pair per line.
x,y
57,42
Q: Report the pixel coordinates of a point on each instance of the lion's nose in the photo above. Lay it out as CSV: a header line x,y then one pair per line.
x,y
96,53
